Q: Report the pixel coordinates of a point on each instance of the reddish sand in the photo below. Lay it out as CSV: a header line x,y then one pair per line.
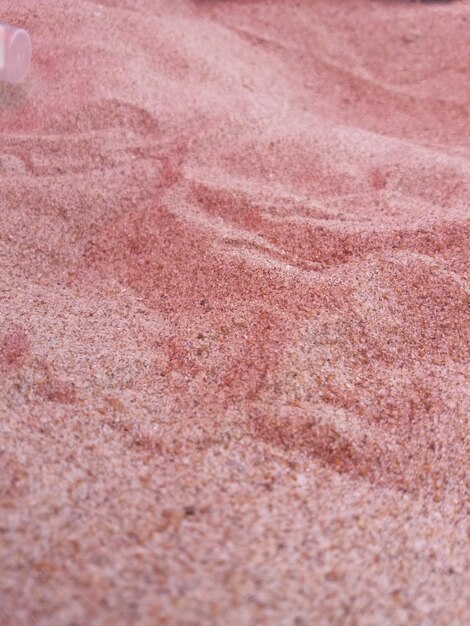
x,y
235,314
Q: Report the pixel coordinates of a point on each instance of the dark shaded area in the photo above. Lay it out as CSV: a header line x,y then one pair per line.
x,y
12,95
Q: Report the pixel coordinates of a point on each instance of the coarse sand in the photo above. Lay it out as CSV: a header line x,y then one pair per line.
x,y
235,314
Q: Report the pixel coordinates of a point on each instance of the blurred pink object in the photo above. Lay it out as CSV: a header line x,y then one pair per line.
x,y
15,54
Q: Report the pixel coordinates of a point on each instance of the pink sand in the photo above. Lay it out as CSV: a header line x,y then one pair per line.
x,y
235,314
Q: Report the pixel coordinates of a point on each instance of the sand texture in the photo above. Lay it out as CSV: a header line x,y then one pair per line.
x,y
235,314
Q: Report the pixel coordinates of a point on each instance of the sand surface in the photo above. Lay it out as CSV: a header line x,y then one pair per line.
x,y
235,314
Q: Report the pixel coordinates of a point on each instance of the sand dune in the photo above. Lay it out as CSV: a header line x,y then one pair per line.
x,y
235,314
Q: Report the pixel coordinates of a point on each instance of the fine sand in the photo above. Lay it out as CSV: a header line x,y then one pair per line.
x,y
235,314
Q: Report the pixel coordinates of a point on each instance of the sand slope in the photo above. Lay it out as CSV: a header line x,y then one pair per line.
x,y
235,314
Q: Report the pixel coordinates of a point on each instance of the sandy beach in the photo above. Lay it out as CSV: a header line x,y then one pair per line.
x,y
235,314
